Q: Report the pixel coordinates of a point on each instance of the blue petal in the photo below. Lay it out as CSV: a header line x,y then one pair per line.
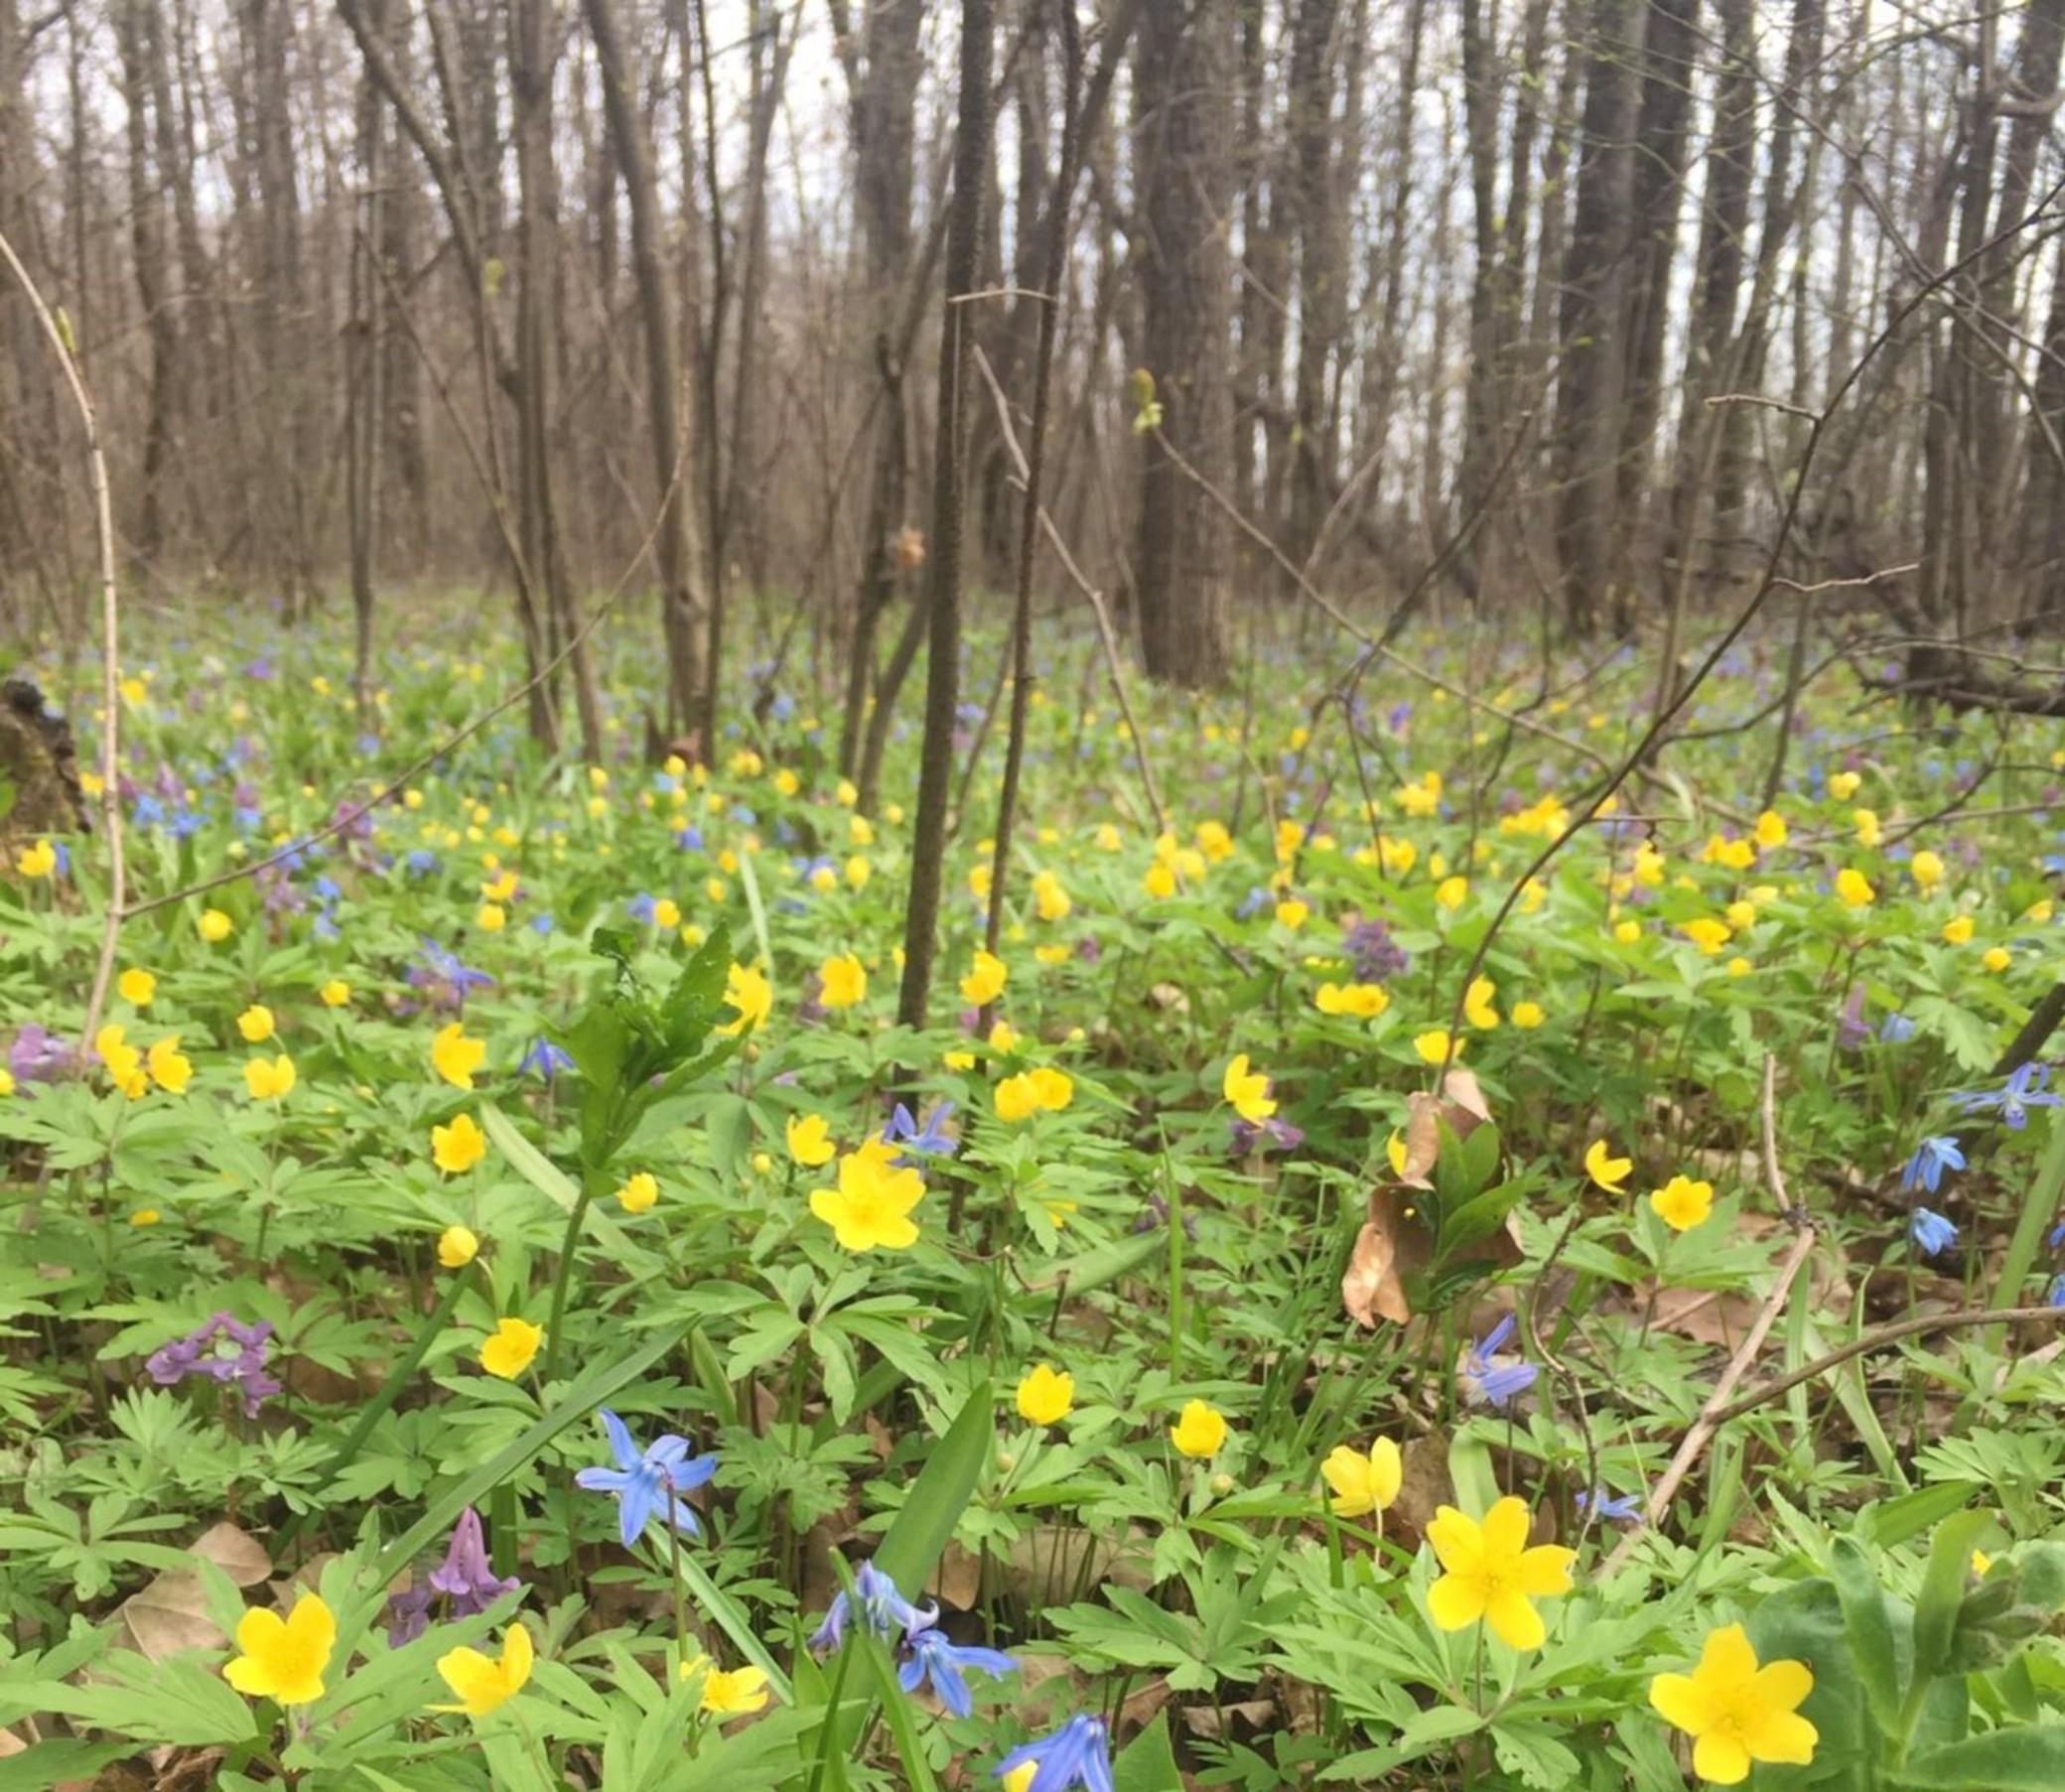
x,y
911,1673
691,1474
620,1444
602,1480
634,1509
665,1451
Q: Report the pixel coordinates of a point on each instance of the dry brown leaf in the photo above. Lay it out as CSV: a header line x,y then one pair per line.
x,y
1423,1484
234,1551
170,1616
1204,1720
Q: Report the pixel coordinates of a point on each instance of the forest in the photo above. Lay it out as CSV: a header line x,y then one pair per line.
x,y
1133,895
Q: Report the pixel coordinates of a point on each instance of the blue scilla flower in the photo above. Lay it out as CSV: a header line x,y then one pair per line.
x,y
2024,1090
689,839
1491,1382
542,922
420,862
1895,1029
904,1132
640,908
1076,1754
886,1610
642,1479
1931,1232
2056,1295
932,1658
1932,1157
1624,1509
544,1059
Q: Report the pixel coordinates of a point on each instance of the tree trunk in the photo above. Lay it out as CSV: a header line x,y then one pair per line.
x,y
1185,182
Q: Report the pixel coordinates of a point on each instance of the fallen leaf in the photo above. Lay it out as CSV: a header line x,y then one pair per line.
x,y
170,1616
234,1551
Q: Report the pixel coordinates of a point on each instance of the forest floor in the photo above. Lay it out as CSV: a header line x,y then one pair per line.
x,y
1386,1276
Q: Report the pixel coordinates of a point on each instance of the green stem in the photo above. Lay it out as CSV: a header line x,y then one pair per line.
x,y
555,1330
2030,1228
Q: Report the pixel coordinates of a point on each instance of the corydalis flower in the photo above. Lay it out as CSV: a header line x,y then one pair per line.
x,y
886,1610
645,1482
2024,1090
1932,1157
1853,1030
1488,1381
443,980
38,1055
1272,1134
465,1579
1076,1754
1377,957
204,1351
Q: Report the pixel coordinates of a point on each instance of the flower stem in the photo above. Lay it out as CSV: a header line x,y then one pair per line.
x,y
555,1330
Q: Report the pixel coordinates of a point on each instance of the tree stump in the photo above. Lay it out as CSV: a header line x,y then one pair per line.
x,y
40,792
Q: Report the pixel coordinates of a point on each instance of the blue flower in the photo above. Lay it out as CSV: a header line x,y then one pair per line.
x,y
689,839
2056,1297
945,1665
1494,1383
1932,1157
1895,1029
640,908
544,1059
904,1130
1076,1754
642,1481
2024,1090
1931,1232
1627,1508
885,1609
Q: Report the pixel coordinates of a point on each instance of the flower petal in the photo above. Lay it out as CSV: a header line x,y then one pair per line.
x,y
1515,1622
1781,1686
1676,1699
1545,1570
1459,1544
1455,1602
1721,1759
1505,1529
622,1446
1728,1660
1783,1737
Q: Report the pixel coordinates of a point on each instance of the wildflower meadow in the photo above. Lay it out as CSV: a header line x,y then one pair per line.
x,y
1335,1292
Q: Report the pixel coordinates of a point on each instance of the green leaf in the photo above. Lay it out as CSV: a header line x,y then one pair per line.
x,y
1943,1591
940,1494
1891,1522
62,1758
1147,1762
549,1179
587,1393
1871,1632
2030,1758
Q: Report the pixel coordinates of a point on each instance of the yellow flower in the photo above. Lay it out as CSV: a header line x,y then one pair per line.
x,y
335,993
858,870
1199,1431
985,983
1739,966
1956,931
269,1078
1843,785
746,990
507,1351
1868,826
214,926
1607,1170
145,1216
1741,915
871,1206
1708,934
1736,1712
459,1146
136,987
1996,958
1681,1203
255,1024
1432,1045
1050,900
1292,913
1247,1090
736,1694
490,917
454,1056
1477,1004
458,1246
844,981
1364,1001
809,1140
1159,881
1527,1015
124,1064
1927,869
1031,1092
1423,799
1045,1395
641,1189
1730,855
1628,931
481,1685
282,1659
1449,892
37,861
1363,1484
1853,889
170,1068
979,881
1489,1572
1770,830
1213,841
1981,1562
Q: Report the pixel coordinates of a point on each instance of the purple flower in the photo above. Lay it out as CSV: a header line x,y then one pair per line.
x,y
1377,957
465,1579
443,980
1279,1134
945,1665
1853,1030
646,1481
408,1614
38,1055
1076,1754
204,1351
1488,1380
